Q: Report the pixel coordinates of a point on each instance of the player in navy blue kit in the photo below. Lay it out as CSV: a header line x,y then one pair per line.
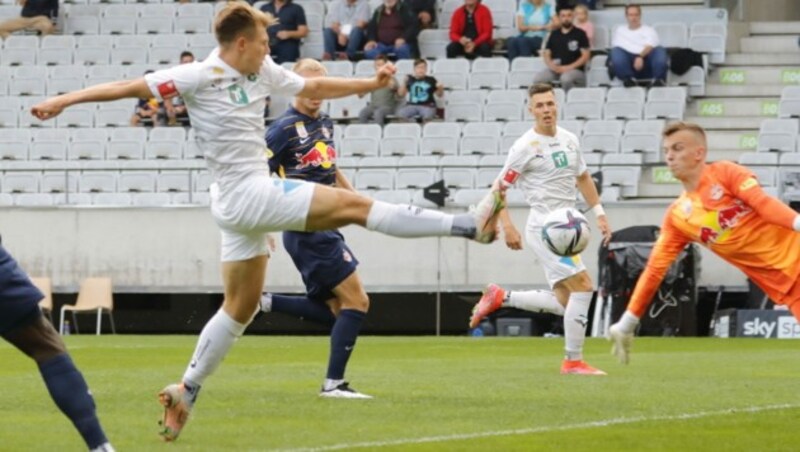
x,y
23,325
302,147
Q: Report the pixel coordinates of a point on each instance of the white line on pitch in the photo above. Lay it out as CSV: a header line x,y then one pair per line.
x,y
545,429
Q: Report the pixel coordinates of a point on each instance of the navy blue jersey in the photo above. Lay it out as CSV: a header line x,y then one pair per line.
x,y
19,298
302,147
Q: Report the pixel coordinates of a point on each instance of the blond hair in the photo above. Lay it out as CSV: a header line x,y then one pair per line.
x,y
678,126
309,65
239,18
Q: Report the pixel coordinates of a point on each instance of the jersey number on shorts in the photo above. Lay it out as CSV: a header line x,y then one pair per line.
x,y
238,95
560,159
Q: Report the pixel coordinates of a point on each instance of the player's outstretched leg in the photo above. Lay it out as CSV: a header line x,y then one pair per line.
x,y
494,297
300,307
333,208
67,387
243,284
621,336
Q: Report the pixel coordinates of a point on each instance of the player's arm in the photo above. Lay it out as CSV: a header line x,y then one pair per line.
x,y
333,87
588,189
103,92
342,181
670,243
277,142
745,187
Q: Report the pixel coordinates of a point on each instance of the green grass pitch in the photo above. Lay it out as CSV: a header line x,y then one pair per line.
x,y
452,393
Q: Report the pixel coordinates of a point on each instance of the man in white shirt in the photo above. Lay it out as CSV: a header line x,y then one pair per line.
x,y
547,165
225,97
345,26
636,53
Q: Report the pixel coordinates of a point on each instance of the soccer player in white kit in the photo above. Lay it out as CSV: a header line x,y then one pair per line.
x,y
225,97
546,163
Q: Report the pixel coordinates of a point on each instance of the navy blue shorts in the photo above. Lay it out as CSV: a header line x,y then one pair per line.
x,y
19,298
322,258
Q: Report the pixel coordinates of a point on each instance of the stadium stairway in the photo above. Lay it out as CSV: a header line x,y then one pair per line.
x,y
745,89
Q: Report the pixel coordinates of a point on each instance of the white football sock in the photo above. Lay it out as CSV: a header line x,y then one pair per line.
x,y
535,301
331,384
628,322
575,319
216,339
266,302
408,221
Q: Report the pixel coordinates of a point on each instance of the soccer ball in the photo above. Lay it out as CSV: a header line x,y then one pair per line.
x,y
566,232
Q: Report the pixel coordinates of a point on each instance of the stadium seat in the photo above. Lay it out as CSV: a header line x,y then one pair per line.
x,y
620,159
459,177
14,144
789,104
451,66
360,147
453,80
165,55
150,199
91,55
758,158
625,180
129,55
78,116
393,196
601,136
113,115
399,145
432,43
9,115
468,197
460,161
597,74
6,200
28,120
483,129
20,182
19,50
416,161
346,107
487,80
163,149
516,128
602,38
767,176
86,150
364,68
58,86
94,295
585,103
34,199
124,150
377,162
55,50
414,178
572,125
57,135
30,84
643,137
466,96
112,199
59,182
486,177
137,182
463,111
154,24
339,68
400,130
522,72
694,80
502,111
97,182
192,24
492,161
82,25
375,179
478,145
48,150
665,103
672,35
624,103
363,130
709,38
778,135
201,44
438,145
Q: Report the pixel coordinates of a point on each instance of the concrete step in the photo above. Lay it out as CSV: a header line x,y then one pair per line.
x,y
769,44
753,75
743,140
744,106
775,28
762,59
717,90
726,122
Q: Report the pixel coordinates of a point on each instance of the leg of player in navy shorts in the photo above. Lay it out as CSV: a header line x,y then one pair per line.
x,y
23,325
334,297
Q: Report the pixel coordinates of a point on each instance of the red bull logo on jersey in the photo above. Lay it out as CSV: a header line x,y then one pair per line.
x,y
716,224
320,155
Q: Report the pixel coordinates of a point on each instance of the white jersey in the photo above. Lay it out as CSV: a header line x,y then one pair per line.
x,y
545,169
634,41
226,109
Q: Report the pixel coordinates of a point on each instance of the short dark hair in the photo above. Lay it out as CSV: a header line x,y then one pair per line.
x,y
538,88
633,5
382,57
186,53
420,61
565,7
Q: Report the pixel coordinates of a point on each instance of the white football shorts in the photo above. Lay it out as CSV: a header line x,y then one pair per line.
x,y
556,268
247,211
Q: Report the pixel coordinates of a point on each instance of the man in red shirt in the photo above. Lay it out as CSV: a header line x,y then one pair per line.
x,y
471,31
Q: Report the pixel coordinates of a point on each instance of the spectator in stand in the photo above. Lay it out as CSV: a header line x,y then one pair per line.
x,y
425,11
285,36
146,111
174,107
382,102
635,53
535,19
392,29
39,15
420,88
470,31
583,22
565,54
346,21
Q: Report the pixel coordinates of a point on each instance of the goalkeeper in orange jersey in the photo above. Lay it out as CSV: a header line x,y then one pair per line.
x,y
724,209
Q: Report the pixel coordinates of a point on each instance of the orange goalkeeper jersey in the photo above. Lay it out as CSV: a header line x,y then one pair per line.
x,y
731,215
